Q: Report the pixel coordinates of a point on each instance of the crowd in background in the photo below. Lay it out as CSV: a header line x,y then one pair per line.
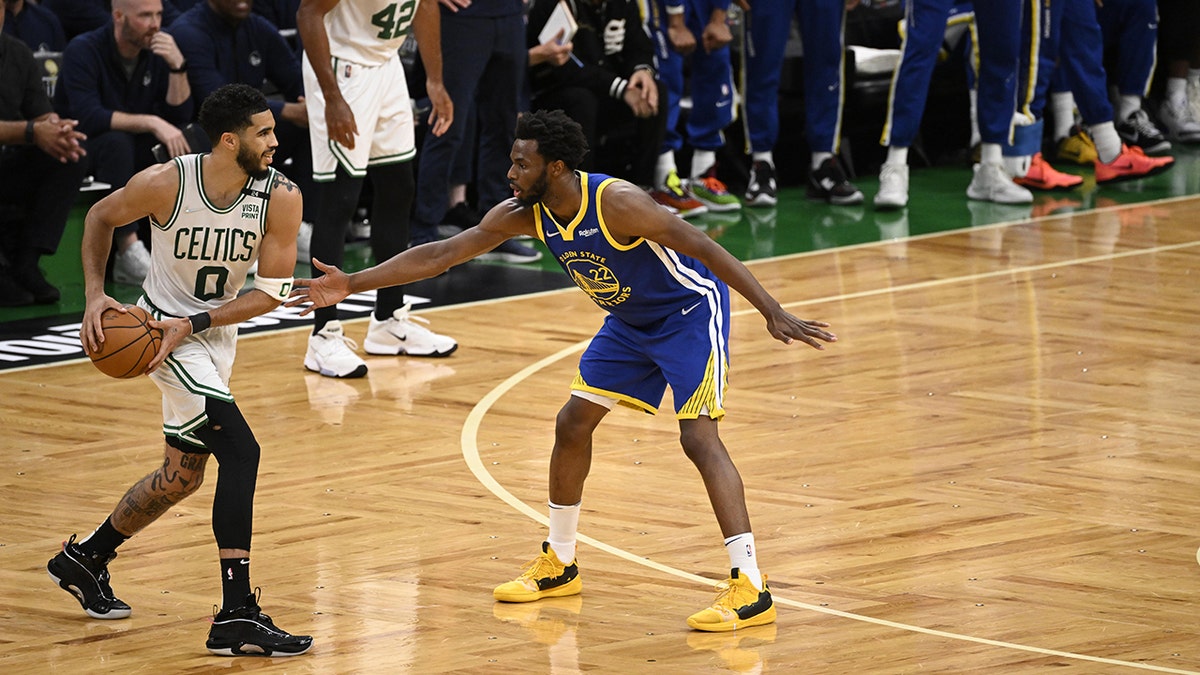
x,y
681,97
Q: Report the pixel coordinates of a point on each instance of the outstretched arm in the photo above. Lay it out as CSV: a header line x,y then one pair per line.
x,y
629,212
504,221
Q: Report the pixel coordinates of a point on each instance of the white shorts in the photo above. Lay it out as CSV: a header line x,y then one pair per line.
x,y
197,370
383,114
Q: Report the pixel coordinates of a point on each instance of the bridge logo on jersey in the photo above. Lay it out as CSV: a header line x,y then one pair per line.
x,y
598,281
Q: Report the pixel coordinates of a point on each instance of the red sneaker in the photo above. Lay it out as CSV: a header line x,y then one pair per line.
x,y
1042,176
1131,164
673,194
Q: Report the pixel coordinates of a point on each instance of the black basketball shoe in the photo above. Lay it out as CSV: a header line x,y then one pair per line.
x,y
246,631
86,577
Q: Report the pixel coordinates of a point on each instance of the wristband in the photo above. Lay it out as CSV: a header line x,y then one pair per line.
x,y
29,132
674,10
181,69
200,322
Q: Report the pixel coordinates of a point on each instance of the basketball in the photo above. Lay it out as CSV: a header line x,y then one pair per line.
x,y
130,344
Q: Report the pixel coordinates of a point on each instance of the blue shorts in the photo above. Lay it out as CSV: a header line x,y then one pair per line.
x,y
689,352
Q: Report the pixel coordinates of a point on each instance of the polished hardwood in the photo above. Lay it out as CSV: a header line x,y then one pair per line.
x,y
993,470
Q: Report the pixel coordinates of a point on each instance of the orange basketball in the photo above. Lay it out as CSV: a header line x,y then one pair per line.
x,y
130,344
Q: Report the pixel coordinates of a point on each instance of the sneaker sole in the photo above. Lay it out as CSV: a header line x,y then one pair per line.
x,y
376,349
1042,187
237,651
722,208
762,200
759,619
1125,177
889,205
357,372
78,595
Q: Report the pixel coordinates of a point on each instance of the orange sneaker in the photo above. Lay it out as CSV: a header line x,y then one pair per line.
x,y
1131,164
1042,176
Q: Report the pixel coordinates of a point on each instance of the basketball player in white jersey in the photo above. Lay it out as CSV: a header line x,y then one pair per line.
x,y
361,124
212,217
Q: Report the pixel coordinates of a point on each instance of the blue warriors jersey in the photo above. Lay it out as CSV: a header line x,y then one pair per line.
x,y
641,282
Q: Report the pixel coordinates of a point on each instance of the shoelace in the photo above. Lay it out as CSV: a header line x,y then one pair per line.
x,y
1140,122
347,340
538,567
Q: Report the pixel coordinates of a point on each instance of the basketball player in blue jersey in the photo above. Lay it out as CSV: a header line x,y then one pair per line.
x,y
212,217
663,283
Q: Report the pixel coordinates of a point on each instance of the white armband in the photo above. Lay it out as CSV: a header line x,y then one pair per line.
x,y
279,289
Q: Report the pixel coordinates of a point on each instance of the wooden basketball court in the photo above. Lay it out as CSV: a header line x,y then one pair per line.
x,y
993,470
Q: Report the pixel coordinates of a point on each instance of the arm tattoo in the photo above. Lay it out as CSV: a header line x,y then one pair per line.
x,y
283,182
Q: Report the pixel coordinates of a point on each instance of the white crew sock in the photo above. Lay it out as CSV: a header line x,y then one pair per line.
x,y
664,166
767,157
1062,103
1127,105
1108,143
897,156
990,153
702,161
742,555
818,158
1177,91
564,524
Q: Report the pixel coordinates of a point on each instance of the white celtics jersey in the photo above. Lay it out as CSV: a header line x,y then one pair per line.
x,y
368,32
199,258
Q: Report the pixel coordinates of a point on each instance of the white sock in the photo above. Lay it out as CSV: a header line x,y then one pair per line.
x,y
1108,143
1063,105
742,556
818,158
897,156
767,157
1177,91
973,94
664,166
990,153
1017,166
564,523
702,161
1194,75
1127,105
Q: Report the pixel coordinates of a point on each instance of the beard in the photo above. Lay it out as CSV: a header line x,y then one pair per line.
x,y
535,192
252,164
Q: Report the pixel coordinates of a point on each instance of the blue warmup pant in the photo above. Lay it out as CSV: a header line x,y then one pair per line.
x,y
822,28
711,84
925,24
1131,28
1075,37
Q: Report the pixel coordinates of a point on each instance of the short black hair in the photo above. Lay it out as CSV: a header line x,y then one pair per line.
x,y
558,136
230,108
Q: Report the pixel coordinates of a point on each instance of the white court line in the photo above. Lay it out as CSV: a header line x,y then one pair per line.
x,y
470,451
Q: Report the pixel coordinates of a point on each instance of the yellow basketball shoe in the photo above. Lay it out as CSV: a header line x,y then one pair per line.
x,y
738,605
1077,147
544,577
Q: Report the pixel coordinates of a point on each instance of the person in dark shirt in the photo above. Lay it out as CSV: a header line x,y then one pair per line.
x,y
223,43
127,85
608,87
40,174
34,25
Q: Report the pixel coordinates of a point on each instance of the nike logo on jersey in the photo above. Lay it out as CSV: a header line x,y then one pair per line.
x,y
191,210
686,310
552,233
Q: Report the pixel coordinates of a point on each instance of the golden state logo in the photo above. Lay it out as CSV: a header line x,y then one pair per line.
x,y
597,281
